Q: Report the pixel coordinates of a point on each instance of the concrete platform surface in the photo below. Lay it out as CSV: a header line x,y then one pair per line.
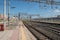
x,y
20,33
9,35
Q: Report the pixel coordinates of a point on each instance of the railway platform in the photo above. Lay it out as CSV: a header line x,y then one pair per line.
x,y
20,33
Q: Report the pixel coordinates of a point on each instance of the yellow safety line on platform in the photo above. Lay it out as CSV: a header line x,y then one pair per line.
x,y
22,33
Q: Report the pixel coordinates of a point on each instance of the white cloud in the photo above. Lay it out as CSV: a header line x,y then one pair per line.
x,y
56,11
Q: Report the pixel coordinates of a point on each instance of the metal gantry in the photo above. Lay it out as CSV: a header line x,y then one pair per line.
x,y
33,15
21,14
47,2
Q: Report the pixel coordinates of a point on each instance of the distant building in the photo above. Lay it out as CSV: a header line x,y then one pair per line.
x,y
58,16
1,16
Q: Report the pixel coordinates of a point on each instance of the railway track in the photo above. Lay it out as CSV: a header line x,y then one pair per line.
x,y
38,31
55,30
46,22
54,24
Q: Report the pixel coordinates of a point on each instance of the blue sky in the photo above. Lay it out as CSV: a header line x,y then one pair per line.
x,y
30,8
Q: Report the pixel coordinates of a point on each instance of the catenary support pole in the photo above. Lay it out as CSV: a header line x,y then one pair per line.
x,y
8,11
4,14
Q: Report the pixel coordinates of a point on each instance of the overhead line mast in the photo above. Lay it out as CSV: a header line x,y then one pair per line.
x,y
4,13
8,11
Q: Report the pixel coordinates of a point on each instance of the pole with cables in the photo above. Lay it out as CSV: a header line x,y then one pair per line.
x,y
8,11
4,14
